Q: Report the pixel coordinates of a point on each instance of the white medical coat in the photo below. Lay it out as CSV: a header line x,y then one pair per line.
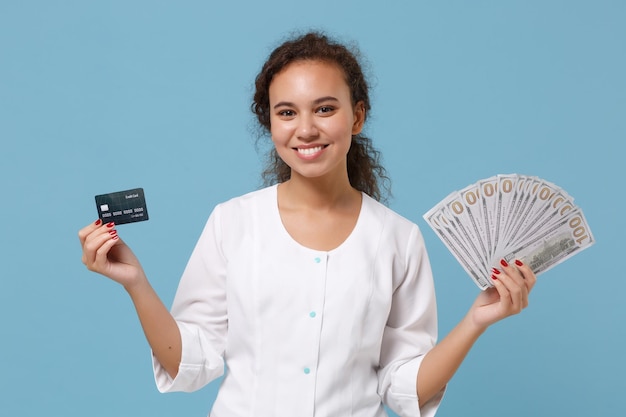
x,y
305,332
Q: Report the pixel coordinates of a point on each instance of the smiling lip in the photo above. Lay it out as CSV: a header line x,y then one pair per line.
x,y
310,152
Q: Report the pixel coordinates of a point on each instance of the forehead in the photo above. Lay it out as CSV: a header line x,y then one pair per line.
x,y
309,77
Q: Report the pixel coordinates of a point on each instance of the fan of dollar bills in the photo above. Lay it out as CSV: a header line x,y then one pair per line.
x,y
509,217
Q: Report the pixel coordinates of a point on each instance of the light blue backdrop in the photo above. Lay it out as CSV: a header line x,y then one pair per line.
x,y
104,96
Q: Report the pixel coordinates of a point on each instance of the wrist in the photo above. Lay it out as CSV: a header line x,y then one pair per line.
x,y
471,327
138,285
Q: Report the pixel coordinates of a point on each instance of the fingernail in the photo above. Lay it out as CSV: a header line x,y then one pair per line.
x,y
518,262
113,232
496,271
115,237
494,277
109,225
503,262
98,222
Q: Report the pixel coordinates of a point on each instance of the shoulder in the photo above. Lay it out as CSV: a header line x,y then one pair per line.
x,y
387,218
232,220
262,199
397,234
245,213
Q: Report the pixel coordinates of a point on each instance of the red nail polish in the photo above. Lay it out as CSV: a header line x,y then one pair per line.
x,y
98,222
109,225
115,237
518,262
494,277
496,271
503,262
113,232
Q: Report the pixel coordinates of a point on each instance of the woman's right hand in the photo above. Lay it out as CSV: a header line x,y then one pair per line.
x,y
105,253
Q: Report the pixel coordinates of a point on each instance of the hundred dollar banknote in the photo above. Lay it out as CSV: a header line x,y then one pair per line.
x,y
509,217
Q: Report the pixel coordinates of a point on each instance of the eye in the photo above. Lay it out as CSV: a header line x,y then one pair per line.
x,y
325,109
286,113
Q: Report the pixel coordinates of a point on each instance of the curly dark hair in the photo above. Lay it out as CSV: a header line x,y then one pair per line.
x,y
365,171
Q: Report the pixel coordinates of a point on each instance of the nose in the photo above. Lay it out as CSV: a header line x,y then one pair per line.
x,y
307,129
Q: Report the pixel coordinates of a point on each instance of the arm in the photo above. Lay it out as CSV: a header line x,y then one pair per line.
x,y
105,253
509,296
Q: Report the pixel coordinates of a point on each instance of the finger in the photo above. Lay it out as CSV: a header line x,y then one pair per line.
x,y
93,230
93,243
525,279
101,260
91,248
512,271
94,227
512,279
85,231
530,279
505,295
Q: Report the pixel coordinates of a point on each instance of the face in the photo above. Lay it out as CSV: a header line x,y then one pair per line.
x,y
312,118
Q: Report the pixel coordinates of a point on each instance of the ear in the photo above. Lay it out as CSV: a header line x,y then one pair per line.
x,y
359,118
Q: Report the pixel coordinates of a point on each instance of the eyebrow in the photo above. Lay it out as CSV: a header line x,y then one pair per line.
x,y
316,101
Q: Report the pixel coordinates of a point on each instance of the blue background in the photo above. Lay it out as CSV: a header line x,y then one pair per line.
x,y
104,96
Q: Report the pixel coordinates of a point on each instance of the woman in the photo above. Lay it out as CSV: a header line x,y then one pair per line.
x,y
318,298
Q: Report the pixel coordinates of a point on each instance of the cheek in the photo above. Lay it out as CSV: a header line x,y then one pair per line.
x,y
277,137
340,130
281,131
280,137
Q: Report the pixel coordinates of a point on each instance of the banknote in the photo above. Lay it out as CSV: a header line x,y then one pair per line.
x,y
553,245
509,216
458,245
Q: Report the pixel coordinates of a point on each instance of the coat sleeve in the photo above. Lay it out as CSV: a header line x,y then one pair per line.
x,y
199,308
410,332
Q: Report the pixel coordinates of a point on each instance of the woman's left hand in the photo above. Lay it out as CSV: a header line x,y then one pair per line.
x,y
509,296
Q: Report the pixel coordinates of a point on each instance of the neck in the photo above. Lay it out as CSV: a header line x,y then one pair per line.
x,y
318,193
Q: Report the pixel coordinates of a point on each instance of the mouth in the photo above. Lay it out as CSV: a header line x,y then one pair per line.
x,y
310,151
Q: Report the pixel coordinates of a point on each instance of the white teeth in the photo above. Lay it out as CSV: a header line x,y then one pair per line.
x,y
310,151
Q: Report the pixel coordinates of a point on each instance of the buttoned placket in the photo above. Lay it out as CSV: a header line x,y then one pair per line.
x,y
315,315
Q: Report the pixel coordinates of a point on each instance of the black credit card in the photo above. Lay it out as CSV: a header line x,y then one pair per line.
x,y
122,207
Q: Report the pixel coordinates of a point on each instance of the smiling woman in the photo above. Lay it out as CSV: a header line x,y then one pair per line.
x,y
313,119
363,161
319,299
